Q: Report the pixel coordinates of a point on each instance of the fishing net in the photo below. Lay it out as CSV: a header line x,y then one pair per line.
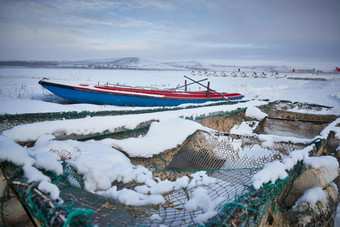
x,y
218,155
8,121
203,151
291,128
83,208
296,108
119,133
230,160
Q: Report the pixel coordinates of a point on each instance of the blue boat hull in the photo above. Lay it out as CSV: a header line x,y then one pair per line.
x,y
95,97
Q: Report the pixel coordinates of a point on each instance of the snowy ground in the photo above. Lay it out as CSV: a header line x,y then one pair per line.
x,y
100,164
21,93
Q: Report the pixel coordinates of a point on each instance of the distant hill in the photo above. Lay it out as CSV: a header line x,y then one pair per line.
x,y
135,63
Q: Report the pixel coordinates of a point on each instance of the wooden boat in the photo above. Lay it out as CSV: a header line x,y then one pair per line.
x,y
113,94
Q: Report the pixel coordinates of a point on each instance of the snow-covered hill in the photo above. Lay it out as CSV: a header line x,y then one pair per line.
x,y
137,63
118,63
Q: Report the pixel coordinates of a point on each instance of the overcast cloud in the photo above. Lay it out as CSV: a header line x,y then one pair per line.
x,y
281,30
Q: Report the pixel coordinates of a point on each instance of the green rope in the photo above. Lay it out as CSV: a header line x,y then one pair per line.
x,y
63,206
238,205
77,214
32,206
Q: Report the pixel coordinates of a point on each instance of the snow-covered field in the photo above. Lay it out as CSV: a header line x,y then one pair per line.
x,y
21,93
100,164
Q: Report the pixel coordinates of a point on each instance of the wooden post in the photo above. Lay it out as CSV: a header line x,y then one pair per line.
x,y
208,89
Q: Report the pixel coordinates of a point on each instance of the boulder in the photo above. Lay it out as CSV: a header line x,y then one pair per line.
x,y
317,177
319,214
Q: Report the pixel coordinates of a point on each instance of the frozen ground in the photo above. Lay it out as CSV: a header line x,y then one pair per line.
x,y
100,164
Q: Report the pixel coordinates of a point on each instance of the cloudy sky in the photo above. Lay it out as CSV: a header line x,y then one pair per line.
x,y
227,30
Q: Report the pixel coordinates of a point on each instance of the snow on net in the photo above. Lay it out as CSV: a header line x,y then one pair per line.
x,y
221,166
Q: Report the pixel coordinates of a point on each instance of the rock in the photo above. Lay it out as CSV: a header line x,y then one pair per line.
x,y
318,177
13,212
319,214
332,144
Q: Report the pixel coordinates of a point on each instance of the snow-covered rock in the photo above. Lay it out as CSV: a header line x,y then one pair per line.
x,y
324,170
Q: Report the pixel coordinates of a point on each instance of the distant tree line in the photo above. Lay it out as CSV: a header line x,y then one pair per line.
x,y
29,63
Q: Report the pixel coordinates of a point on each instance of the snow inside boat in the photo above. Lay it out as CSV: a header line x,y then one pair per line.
x,y
112,94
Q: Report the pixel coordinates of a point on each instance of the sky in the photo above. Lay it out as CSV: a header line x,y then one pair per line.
x,y
212,30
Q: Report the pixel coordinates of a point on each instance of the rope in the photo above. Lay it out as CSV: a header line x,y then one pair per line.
x,y
79,213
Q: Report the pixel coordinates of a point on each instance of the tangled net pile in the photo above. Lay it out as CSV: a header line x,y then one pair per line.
x,y
228,158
